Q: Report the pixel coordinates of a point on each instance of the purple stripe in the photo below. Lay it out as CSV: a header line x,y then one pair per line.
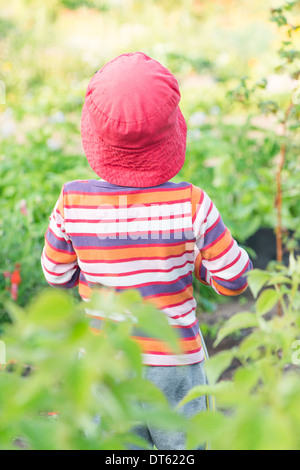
x,y
95,186
71,283
59,244
237,283
168,288
203,272
213,234
128,241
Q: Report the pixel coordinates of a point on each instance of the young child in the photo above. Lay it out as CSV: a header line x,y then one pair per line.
x,y
133,228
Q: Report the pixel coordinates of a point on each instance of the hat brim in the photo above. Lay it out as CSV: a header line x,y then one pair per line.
x,y
146,167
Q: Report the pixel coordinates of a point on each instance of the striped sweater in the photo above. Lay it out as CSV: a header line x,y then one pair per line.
x,y
149,239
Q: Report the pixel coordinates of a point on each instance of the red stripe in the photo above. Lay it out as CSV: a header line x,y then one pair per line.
x,y
161,353
209,211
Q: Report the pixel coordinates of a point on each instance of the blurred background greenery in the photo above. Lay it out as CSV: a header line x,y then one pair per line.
x,y
218,50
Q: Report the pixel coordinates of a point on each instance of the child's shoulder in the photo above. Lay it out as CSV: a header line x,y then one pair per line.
x,y
77,185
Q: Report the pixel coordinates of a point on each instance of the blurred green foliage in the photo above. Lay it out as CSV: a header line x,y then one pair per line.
x,y
234,89
65,388
258,408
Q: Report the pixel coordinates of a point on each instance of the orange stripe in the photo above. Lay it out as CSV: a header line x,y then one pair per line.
x,y
170,299
60,205
154,345
84,290
148,345
107,254
160,302
218,247
58,256
225,291
158,197
196,198
198,263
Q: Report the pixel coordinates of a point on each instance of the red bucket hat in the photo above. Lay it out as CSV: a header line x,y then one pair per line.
x,y
133,132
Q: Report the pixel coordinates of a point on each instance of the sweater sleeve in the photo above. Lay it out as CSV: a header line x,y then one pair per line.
x,y
219,261
59,260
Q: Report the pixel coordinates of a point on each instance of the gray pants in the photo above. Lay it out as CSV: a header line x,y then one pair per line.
x,y
174,382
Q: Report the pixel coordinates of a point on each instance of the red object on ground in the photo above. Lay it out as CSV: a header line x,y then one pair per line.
x,y
15,281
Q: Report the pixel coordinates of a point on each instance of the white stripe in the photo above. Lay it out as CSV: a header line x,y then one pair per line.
x,y
133,212
56,216
61,279
135,279
57,230
169,360
181,309
116,316
57,268
201,227
235,269
138,265
224,260
201,211
185,321
134,226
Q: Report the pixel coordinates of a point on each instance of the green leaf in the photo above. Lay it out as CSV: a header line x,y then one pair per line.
x,y
266,301
51,308
237,322
256,280
218,363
